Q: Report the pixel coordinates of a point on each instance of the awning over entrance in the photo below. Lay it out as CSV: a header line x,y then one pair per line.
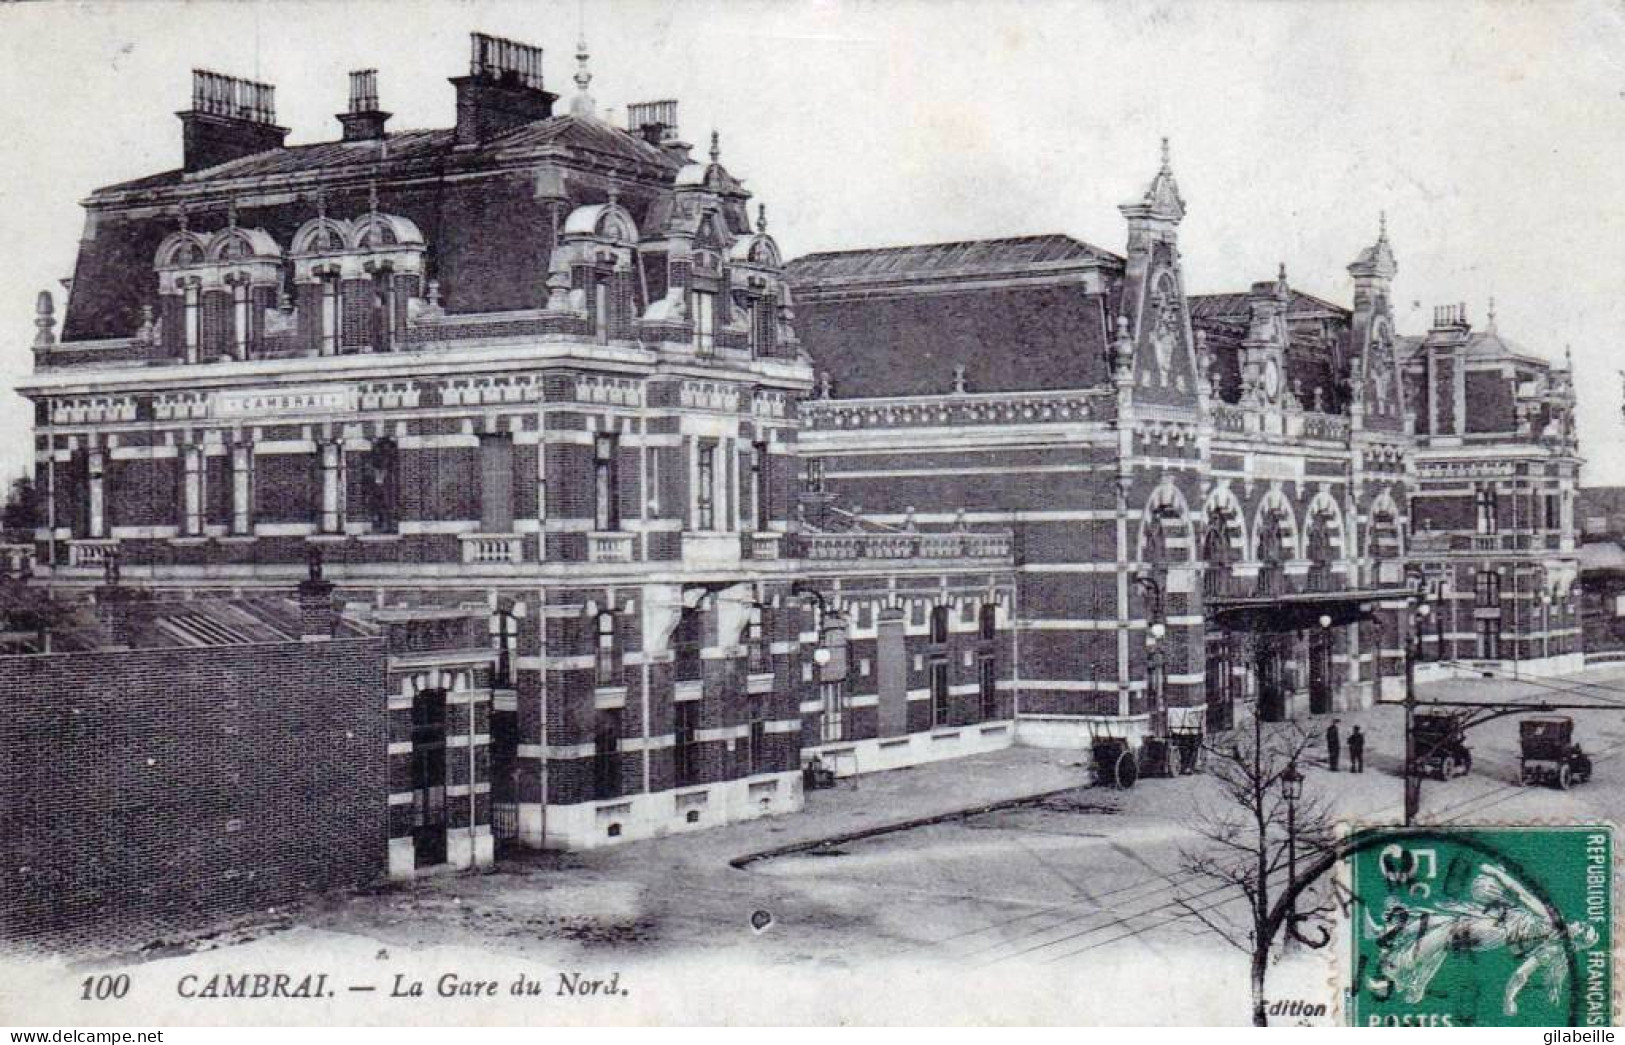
x,y
1296,611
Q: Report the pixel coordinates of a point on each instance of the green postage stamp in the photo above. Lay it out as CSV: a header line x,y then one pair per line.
x,y
1481,926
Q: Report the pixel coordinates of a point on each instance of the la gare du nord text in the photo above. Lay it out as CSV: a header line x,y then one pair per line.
x,y
254,986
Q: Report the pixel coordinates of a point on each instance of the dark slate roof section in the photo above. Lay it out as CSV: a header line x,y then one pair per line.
x,y
1012,338
490,238
1233,307
943,260
405,148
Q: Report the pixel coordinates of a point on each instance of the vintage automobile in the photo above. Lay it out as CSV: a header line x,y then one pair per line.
x,y
1439,742
1549,754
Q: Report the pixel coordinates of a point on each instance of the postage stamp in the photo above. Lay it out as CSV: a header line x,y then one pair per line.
x,y
1481,926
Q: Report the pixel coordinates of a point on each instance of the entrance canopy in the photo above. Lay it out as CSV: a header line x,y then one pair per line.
x,y
1297,611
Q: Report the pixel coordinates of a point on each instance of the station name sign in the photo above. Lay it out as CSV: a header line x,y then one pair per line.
x,y
272,402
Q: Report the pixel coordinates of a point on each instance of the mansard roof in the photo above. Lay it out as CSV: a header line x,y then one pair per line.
x,y
404,149
1233,307
1017,255
897,321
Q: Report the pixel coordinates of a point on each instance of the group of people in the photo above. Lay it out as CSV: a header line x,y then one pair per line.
x,y
1334,748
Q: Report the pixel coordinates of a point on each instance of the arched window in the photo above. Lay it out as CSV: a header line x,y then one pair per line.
x,y
939,624
1319,550
1271,553
1218,550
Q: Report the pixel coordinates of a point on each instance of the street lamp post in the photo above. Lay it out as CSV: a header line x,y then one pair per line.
x,y
1292,790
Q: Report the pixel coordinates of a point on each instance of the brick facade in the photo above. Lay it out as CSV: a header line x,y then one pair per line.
x,y
165,786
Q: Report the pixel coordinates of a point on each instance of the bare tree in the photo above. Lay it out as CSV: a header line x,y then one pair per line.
x,y
1252,838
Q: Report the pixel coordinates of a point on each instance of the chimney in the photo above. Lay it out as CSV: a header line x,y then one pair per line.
x,y
655,122
318,619
364,121
229,118
503,89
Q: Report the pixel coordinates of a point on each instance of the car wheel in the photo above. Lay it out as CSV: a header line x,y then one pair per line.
x,y
1447,768
1128,771
1564,778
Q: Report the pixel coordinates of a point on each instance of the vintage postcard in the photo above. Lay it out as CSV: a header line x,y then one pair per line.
x,y
818,513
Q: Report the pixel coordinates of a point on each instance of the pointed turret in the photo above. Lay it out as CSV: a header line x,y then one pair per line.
x,y
1154,291
1161,209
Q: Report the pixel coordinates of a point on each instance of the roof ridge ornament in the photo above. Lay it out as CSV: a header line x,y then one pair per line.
x,y
231,212
182,218
761,218
716,147
582,104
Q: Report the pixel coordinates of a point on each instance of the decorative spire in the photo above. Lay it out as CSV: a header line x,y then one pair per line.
x,y
372,197
1382,226
321,204
1490,315
716,147
231,213
761,218
582,103
182,218
1162,200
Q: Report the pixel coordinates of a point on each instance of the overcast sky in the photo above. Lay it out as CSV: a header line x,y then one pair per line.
x,y
1491,133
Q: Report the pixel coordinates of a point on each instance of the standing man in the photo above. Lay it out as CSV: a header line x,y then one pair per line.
x,y
1334,747
1356,751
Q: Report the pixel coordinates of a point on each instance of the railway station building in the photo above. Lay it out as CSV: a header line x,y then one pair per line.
x,y
718,514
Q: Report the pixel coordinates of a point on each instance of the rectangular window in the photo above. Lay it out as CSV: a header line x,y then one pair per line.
x,y
987,690
832,721
194,493
606,493
686,751
332,313
989,622
383,486
607,657
496,483
1484,501
812,475
705,322
759,485
239,318
1489,639
756,650
1488,589
686,643
705,505
758,761
939,693
939,624
606,754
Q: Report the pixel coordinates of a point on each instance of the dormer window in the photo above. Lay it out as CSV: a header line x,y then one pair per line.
x,y
383,309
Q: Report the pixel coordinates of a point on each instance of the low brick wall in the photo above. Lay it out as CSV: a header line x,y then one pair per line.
x,y
151,791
